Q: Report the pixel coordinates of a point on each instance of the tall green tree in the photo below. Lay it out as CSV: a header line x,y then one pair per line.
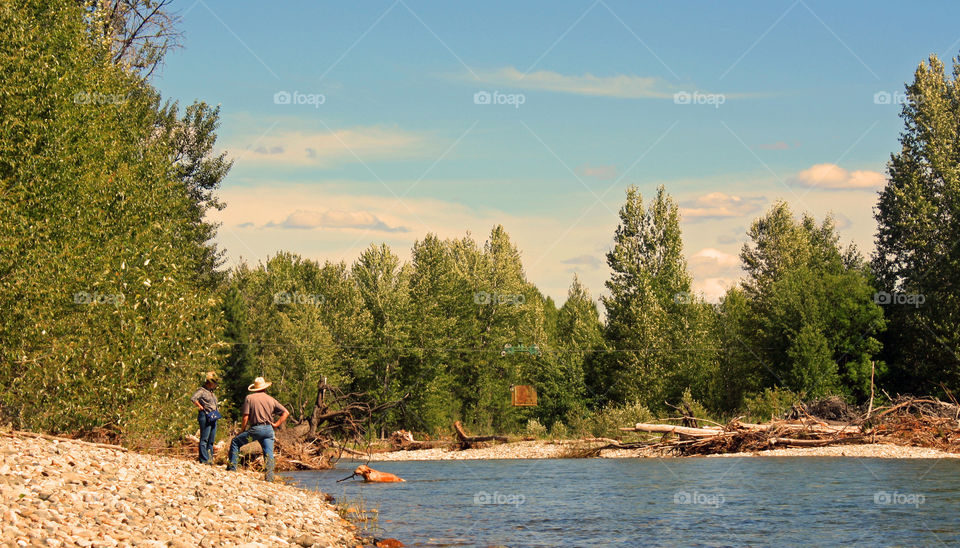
x,y
105,322
812,325
191,138
648,330
280,327
384,286
579,339
918,256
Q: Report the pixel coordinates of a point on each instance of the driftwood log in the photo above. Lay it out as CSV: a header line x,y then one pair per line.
x,y
467,441
737,436
402,440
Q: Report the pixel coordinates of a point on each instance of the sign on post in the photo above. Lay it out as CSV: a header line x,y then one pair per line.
x,y
523,395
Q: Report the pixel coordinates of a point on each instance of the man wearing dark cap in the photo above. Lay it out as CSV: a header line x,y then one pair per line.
x,y
206,402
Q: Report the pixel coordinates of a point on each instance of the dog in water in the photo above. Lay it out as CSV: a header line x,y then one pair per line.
x,y
375,476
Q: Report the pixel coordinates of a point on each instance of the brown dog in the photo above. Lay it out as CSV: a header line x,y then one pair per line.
x,y
375,476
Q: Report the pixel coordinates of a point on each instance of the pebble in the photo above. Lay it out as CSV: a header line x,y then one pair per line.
x,y
79,495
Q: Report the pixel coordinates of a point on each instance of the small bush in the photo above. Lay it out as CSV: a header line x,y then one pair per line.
x,y
772,402
608,421
559,431
535,429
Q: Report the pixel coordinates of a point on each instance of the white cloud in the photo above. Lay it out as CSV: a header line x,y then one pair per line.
x,y
718,205
714,271
603,173
589,261
309,219
834,177
259,219
622,85
710,255
303,148
713,289
779,145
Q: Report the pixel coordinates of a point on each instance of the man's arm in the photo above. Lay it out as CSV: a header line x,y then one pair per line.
x,y
282,419
195,401
246,420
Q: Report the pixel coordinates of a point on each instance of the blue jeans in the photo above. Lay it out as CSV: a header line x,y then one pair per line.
x,y
262,433
208,435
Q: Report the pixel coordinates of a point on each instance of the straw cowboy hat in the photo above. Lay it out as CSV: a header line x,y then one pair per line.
x,y
213,377
259,385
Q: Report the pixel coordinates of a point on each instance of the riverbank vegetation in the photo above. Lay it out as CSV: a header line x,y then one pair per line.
x,y
114,297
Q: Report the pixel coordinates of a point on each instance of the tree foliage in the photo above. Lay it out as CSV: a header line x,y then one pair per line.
x,y
918,256
106,322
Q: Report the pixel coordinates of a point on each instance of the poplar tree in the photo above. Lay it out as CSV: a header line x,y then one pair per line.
x,y
917,252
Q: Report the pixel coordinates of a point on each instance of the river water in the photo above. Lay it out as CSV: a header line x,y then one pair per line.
x,y
754,501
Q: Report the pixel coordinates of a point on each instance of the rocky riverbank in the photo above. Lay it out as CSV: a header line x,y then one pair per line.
x,y
66,493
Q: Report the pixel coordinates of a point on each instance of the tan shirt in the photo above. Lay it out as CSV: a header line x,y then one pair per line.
x,y
261,407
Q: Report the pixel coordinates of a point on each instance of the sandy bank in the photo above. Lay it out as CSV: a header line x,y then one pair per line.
x,y
564,448
70,494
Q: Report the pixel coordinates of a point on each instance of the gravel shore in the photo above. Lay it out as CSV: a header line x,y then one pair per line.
x,y
565,448
64,493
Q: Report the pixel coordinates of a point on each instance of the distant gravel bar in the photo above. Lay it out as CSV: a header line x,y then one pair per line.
x,y
565,448
65,493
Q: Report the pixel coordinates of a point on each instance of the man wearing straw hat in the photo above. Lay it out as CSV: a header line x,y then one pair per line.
x,y
258,411
207,416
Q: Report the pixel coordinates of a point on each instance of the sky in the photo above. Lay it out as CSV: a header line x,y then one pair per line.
x,y
383,121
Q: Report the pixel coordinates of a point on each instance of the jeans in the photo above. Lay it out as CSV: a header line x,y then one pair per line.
x,y
208,434
262,433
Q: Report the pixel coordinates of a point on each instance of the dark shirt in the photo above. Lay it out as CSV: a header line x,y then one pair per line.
x,y
261,407
206,398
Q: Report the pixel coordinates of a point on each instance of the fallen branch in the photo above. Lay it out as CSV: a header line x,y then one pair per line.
x,y
467,441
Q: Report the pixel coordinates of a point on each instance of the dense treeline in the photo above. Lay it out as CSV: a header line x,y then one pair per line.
x,y
107,275
114,299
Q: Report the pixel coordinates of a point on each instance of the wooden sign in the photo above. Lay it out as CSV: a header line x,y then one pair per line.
x,y
523,395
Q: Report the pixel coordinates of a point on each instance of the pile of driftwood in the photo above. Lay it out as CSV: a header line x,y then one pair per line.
x,y
736,436
339,419
402,440
907,421
918,423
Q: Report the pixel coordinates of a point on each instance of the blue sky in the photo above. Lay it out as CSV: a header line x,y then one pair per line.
x,y
391,141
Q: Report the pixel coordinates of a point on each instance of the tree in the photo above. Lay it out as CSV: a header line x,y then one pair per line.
x,y
104,323
649,328
136,34
283,325
191,139
384,286
579,339
917,259
812,323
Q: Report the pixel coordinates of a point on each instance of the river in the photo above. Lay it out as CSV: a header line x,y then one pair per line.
x,y
753,501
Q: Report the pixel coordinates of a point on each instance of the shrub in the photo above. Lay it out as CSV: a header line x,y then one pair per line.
x,y
772,402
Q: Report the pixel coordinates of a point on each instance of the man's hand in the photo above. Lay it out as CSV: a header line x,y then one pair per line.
x,y
282,419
